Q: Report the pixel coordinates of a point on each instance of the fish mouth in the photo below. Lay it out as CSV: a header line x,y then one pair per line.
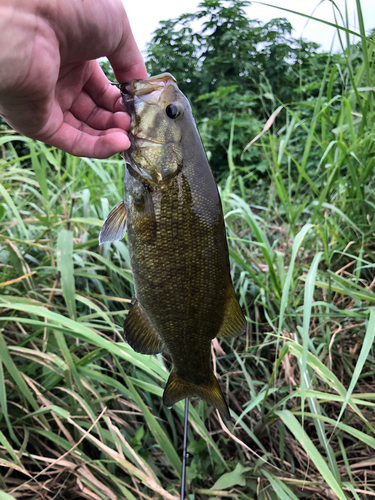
x,y
138,95
147,90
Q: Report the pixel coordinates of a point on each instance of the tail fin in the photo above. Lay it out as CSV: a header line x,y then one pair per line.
x,y
177,389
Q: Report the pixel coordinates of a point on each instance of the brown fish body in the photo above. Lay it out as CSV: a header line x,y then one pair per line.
x,y
179,256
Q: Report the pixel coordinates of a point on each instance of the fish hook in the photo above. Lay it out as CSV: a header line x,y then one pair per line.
x,y
184,453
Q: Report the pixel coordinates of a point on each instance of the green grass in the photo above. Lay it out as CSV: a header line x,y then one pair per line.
x,y
81,413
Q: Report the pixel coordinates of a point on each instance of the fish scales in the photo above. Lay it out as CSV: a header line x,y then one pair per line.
x,y
189,278
177,244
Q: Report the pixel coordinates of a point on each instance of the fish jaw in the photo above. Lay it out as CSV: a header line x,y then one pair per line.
x,y
155,151
145,87
147,91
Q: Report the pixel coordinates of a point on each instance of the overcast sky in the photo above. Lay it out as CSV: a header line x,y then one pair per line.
x,y
145,15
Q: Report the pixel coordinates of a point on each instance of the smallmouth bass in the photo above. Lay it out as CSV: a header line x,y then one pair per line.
x,y
177,242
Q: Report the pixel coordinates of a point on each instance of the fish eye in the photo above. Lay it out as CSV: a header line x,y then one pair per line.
x,y
172,111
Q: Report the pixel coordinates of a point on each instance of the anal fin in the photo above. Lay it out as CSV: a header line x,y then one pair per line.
x,y
114,227
178,389
234,322
139,332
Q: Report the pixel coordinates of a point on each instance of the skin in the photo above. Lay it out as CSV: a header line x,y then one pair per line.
x,y
51,87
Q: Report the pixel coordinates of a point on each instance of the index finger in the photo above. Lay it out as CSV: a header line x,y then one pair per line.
x,y
127,61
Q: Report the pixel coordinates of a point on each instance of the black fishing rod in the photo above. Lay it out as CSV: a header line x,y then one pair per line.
x,y
184,452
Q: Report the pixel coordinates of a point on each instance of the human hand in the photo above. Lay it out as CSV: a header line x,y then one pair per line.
x,y
52,88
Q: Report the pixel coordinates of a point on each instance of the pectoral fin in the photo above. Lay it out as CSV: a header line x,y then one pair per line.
x,y
139,332
114,227
234,323
177,389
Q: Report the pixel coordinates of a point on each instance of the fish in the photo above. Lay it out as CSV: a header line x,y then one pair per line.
x,y
172,213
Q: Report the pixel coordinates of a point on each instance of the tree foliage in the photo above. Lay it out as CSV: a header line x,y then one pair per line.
x,y
229,65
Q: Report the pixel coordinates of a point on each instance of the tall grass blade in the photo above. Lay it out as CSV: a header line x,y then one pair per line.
x,y
308,303
14,209
40,169
286,289
66,268
296,429
160,436
368,343
6,496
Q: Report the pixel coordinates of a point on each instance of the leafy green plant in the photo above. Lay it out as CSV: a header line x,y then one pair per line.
x,y
81,413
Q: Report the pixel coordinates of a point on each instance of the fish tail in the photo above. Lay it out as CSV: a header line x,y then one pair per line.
x,y
177,389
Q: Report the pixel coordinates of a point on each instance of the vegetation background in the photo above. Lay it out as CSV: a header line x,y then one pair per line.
x,y
81,413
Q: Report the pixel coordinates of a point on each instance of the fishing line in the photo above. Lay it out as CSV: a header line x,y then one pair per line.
x,y
184,453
